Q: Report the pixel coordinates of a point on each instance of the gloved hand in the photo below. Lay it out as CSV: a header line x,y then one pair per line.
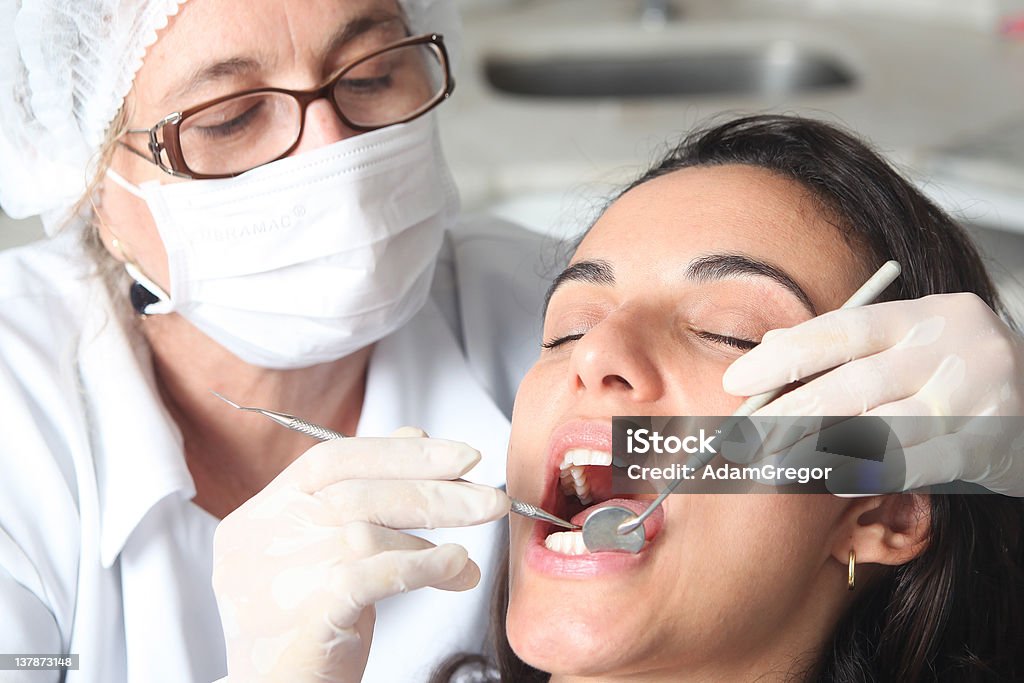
x,y
941,355
299,566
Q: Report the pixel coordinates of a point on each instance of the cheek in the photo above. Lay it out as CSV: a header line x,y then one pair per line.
x,y
126,217
754,548
697,390
533,419
716,400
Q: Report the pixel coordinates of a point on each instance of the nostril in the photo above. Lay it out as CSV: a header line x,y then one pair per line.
x,y
614,381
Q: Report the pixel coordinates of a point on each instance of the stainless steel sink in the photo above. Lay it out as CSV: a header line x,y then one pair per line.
x,y
773,69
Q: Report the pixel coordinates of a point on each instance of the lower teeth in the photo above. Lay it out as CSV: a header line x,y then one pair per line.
x,y
566,543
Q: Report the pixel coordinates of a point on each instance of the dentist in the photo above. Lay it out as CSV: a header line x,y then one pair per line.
x,y
247,197
250,197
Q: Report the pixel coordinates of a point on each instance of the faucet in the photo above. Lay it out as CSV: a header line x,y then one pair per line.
x,y
655,13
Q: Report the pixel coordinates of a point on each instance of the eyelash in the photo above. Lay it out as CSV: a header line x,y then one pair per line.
x,y
231,126
741,344
367,86
555,342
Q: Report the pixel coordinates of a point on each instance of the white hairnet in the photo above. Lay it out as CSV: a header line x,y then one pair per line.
x,y
65,69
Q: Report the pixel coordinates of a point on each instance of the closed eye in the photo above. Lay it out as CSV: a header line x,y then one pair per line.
x,y
234,126
736,343
365,86
555,342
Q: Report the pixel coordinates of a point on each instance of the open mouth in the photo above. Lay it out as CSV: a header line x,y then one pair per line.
x,y
577,482
584,482
583,485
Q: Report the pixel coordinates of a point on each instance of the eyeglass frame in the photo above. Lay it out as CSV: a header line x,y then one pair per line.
x,y
168,127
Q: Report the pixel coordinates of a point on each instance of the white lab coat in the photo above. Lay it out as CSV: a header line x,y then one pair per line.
x,y
102,552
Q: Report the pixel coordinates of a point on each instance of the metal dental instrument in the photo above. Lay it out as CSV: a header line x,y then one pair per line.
x,y
324,434
534,512
609,529
290,421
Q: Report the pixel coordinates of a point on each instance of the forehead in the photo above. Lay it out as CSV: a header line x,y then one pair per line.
x,y
279,34
247,23
266,24
655,229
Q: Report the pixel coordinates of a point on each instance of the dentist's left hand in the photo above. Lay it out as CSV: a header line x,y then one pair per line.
x,y
941,355
299,566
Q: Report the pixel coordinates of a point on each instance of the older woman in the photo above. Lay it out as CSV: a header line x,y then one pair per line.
x,y
249,197
269,174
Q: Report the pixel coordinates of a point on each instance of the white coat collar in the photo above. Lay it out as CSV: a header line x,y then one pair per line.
x,y
138,449
417,376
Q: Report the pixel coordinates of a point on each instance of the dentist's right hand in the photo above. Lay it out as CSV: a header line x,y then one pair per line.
x,y
298,567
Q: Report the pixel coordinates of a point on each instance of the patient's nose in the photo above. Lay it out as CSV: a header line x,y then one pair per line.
x,y
612,358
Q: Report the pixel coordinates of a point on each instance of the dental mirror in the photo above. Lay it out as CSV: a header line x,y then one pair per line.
x,y
601,531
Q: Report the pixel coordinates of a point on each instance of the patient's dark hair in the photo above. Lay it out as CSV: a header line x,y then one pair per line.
x,y
956,612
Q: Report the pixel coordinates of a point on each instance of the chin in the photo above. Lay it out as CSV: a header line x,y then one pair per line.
x,y
558,635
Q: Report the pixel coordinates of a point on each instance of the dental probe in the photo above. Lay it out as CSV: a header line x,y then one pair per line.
x,y
324,434
629,530
290,421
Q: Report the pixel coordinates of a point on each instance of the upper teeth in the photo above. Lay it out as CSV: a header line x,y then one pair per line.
x,y
572,474
585,456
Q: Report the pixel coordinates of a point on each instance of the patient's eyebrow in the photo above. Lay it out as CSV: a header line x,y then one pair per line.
x,y
595,272
722,266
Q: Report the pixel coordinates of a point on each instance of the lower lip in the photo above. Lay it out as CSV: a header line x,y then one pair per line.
x,y
539,558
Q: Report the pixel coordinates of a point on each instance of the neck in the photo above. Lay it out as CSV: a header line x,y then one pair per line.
x,y
231,454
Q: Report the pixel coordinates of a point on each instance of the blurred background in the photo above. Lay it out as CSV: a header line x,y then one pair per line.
x,y
559,102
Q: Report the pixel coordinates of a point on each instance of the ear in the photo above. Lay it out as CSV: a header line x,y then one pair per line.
x,y
890,530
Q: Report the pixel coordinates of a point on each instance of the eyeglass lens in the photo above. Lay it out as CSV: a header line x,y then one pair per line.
x,y
247,131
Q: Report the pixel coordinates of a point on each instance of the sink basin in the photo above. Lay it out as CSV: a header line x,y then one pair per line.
x,y
772,69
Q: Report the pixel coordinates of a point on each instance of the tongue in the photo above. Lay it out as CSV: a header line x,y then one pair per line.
x,y
652,525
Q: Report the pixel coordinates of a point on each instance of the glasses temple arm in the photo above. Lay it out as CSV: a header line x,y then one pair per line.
x,y
147,157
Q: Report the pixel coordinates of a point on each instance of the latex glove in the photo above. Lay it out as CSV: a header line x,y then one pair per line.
x,y
942,355
298,567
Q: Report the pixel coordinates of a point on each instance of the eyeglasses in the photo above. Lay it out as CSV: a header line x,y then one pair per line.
x,y
236,133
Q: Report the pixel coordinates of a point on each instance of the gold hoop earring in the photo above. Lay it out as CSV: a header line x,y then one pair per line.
x,y
851,577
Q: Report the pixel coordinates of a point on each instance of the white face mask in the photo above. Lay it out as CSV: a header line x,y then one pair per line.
x,y
309,258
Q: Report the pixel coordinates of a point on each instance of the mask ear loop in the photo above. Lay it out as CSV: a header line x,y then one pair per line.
x,y
146,296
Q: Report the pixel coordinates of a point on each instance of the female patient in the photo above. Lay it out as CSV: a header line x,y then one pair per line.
x,y
755,225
